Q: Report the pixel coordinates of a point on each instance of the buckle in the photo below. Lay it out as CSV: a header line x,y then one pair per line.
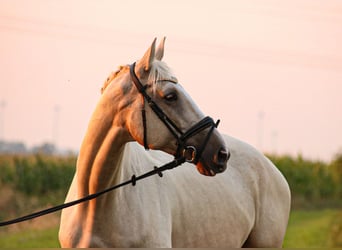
x,y
189,153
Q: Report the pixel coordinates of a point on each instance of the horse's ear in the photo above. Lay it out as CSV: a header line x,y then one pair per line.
x,y
160,50
145,63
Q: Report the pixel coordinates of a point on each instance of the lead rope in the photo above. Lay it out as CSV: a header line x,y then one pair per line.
x,y
157,170
189,151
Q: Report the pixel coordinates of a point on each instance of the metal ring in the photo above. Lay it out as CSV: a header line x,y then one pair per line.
x,y
189,151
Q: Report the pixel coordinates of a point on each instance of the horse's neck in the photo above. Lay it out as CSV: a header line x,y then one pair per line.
x,y
101,152
98,167
98,162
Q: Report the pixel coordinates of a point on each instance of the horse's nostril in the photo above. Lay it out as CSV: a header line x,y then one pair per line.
x,y
222,156
228,155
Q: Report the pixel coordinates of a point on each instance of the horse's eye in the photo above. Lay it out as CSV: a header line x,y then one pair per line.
x,y
171,97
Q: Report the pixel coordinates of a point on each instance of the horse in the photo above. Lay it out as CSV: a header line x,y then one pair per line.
x,y
236,198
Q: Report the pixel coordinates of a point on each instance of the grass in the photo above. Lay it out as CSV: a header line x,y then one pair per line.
x,y
309,228
30,238
306,229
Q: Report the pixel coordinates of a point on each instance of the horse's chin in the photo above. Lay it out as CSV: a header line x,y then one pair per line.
x,y
203,170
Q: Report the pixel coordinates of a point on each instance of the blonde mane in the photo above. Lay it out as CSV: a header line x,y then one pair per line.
x,y
111,77
184,208
160,72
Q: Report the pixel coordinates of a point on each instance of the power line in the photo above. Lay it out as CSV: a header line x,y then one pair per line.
x,y
217,50
69,32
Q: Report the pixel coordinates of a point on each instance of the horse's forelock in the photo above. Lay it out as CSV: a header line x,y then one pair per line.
x,y
160,72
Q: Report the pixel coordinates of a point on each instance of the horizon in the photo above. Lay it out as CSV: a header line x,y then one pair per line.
x,y
270,70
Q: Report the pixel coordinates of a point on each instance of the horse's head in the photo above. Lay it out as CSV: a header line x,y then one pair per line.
x,y
161,115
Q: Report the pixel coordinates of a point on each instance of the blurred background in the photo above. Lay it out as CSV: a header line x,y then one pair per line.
x,y
270,70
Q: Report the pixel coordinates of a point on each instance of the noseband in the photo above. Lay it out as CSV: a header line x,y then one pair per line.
x,y
184,153
190,153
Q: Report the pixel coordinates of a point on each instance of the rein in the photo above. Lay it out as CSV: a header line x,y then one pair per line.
x,y
184,153
157,170
181,137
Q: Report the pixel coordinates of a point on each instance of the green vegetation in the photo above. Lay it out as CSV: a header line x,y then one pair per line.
x,y
311,229
313,184
32,182
37,174
30,238
40,179
306,229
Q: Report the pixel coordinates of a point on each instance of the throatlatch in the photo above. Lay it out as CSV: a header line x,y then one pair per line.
x,y
182,149
185,153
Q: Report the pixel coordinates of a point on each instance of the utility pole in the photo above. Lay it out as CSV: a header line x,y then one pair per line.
x,y
2,119
274,141
55,124
260,130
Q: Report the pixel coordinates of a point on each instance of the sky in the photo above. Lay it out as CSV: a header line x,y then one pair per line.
x,y
270,70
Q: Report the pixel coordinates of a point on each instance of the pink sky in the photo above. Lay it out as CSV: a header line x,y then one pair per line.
x,y
237,59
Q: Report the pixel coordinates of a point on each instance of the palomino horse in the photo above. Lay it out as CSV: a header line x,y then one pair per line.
x,y
247,205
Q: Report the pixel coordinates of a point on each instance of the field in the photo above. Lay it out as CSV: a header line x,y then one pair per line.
x,y
32,182
30,238
306,229
311,229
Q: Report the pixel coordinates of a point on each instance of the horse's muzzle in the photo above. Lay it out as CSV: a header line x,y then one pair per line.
x,y
220,160
217,165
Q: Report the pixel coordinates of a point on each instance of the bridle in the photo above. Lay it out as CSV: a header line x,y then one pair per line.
x,y
184,153
191,153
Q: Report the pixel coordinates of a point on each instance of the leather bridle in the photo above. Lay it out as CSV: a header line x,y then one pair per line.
x,y
191,153
184,153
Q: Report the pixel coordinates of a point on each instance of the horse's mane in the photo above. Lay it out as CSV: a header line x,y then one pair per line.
x,y
111,77
159,72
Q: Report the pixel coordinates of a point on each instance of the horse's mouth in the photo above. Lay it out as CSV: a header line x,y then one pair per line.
x,y
205,170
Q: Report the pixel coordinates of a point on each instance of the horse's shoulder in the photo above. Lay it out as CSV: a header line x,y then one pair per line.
x,y
247,154
251,162
143,160
254,167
